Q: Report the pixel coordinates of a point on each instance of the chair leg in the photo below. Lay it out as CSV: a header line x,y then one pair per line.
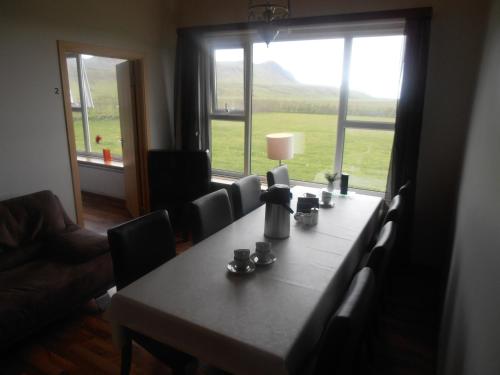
x,y
126,357
185,235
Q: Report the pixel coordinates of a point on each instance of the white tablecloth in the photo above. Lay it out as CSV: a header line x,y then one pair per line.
x,y
262,323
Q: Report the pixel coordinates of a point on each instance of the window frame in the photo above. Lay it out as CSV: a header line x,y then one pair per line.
x,y
246,40
87,153
244,116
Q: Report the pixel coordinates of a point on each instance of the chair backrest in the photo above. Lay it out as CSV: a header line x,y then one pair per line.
x,y
246,195
381,253
405,189
209,214
176,178
395,210
140,245
278,175
341,340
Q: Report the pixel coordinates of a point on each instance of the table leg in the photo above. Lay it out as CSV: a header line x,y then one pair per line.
x,y
126,357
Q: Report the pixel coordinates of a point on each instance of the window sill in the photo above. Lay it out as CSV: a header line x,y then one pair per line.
x,y
99,163
228,180
223,180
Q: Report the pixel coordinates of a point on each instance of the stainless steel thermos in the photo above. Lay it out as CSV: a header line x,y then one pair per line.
x,y
277,221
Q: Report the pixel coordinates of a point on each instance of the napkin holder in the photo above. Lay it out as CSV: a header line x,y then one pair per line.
x,y
305,204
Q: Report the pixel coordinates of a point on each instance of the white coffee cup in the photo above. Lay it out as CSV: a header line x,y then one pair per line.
x,y
326,196
241,258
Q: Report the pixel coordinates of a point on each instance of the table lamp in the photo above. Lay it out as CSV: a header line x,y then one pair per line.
x,y
279,146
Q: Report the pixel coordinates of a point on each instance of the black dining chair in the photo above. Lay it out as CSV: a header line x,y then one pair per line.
x,y
395,210
245,194
398,206
176,178
278,175
381,254
209,214
341,342
138,247
404,190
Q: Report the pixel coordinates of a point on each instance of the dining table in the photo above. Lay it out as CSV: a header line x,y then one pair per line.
x,y
265,322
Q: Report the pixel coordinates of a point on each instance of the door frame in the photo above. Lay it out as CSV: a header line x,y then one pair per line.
x,y
142,130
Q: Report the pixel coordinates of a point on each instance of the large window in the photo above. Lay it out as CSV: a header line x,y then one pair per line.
x,y
337,92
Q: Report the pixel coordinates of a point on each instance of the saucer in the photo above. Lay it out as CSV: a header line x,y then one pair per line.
x,y
255,258
231,267
327,205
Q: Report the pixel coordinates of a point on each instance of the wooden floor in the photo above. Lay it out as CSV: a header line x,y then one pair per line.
x,y
79,344
101,213
404,342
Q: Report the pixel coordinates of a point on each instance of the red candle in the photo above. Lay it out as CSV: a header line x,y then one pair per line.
x,y
106,154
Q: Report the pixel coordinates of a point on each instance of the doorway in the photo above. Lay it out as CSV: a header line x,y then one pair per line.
x,y
104,103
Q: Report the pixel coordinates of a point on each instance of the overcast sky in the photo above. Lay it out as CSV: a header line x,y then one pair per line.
x,y
375,62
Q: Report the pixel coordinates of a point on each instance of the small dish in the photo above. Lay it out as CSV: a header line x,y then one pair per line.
x,y
231,267
327,205
255,258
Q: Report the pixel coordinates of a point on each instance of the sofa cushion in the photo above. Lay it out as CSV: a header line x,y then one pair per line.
x,y
39,292
76,246
13,257
30,217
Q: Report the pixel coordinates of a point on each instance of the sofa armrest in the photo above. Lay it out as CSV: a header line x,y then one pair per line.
x,y
77,246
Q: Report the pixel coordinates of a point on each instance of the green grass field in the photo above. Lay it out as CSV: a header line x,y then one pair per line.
x,y
366,152
108,129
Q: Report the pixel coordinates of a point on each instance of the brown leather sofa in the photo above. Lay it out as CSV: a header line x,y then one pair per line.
x,y
48,265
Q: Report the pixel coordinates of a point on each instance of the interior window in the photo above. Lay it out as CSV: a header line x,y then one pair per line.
x,y
94,103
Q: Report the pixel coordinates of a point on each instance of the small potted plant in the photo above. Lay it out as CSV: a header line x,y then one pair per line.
x,y
331,177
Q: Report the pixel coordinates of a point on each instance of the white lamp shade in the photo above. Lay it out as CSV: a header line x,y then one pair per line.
x,y
280,146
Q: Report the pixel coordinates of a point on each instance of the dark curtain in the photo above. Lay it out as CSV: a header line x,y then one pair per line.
x,y
404,158
192,131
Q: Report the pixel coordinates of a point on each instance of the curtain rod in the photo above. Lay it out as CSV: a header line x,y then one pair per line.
x,y
409,13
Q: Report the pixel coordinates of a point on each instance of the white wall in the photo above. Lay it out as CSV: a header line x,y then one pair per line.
x,y
470,339
33,146
456,38
102,180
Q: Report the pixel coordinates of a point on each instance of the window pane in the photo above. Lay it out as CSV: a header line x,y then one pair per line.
x,y
229,80
367,155
78,129
74,91
228,145
375,78
296,90
102,102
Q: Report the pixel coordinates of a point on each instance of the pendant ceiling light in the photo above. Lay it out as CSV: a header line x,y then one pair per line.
x,y
268,13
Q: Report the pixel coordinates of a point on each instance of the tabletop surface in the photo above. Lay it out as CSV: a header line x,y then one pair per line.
x,y
261,322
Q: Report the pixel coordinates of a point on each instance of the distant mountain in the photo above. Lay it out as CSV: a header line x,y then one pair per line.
x,y
270,72
274,90
271,79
